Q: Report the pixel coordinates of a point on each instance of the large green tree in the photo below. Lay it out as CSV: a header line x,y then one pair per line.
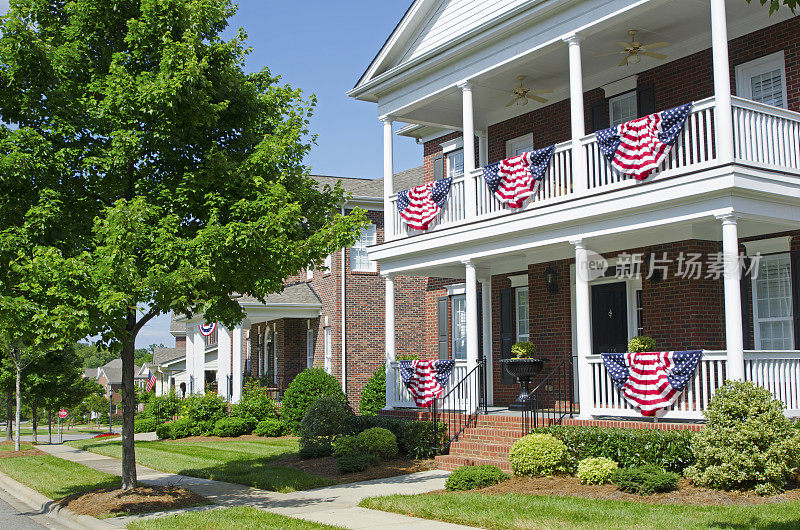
x,y
774,5
146,172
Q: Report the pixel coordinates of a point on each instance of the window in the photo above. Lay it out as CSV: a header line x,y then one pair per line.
x,y
455,163
359,261
772,304
519,145
622,108
523,309
310,348
327,264
763,80
310,273
328,348
459,310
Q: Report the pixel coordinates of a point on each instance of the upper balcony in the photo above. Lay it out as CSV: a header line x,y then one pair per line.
x,y
764,137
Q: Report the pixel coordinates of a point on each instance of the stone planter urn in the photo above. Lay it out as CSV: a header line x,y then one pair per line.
x,y
523,370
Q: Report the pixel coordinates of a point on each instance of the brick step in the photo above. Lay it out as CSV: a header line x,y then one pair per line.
x,y
489,433
451,462
479,453
469,445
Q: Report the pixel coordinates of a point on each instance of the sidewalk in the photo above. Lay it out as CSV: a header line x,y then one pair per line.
x,y
334,505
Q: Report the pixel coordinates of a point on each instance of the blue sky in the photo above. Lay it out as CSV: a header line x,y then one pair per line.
x,y
322,47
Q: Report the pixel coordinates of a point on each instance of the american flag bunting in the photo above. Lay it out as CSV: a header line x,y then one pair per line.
x,y
420,205
151,381
426,380
515,179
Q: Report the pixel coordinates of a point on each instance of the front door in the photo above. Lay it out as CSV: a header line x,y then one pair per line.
x,y
609,318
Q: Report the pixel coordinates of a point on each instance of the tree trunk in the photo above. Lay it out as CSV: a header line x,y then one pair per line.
x,y
19,407
9,418
128,395
50,426
34,419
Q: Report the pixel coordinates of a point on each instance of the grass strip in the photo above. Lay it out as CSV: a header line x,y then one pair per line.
x,y
54,477
243,517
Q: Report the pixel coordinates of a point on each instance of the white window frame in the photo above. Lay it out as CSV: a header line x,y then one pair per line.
x,y
611,101
524,142
455,324
358,252
449,169
327,264
521,337
310,348
746,71
328,349
310,272
754,297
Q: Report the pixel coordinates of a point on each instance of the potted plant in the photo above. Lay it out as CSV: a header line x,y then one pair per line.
x,y
641,344
524,365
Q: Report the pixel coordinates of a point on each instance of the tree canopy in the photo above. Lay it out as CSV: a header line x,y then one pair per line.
x,y
774,5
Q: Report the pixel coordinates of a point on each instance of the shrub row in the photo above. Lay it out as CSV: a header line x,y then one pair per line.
x,y
473,477
145,424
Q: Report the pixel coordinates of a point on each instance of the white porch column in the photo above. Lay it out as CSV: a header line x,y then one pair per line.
x,y
223,362
236,344
198,373
486,307
483,148
388,176
723,114
190,338
468,124
578,128
473,346
583,325
391,355
734,340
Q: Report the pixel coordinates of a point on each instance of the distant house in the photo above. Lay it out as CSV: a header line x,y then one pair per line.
x,y
110,378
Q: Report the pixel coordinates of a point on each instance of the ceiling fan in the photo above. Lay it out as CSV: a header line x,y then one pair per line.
x,y
633,50
523,94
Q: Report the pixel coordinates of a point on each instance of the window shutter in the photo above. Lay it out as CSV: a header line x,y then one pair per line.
x,y
645,100
507,335
442,326
745,287
438,167
599,115
795,272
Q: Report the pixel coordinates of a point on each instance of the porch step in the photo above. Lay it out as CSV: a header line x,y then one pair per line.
x,y
451,462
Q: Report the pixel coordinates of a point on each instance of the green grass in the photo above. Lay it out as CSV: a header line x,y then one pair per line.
x,y
232,518
533,511
245,462
10,447
54,477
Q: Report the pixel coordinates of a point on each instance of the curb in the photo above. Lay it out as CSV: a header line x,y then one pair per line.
x,y
47,506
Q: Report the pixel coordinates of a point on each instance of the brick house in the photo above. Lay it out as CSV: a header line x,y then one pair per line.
x,y
109,376
729,193
333,307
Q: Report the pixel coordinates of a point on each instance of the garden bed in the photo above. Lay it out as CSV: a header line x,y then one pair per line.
x,y
143,499
328,467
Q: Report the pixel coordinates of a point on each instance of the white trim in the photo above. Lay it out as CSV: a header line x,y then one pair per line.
x,y
452,145
746,71
754,299
526,140
456,289
621,97
519,280
625,84
768,246
328,351
524,336
453,322
309,348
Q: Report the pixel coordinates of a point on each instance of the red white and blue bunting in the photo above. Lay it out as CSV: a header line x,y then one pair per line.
x,y
426,380
515,179
420,205
639,146
207,329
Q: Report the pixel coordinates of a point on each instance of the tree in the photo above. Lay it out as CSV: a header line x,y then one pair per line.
x,y
774,5
147,172
20,354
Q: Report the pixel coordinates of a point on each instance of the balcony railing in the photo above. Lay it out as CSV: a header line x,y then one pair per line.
x,y
764,136
397,394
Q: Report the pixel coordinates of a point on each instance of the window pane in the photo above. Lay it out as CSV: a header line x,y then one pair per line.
x,y
773,303
359,259
459,327
623,109
768,88
455,164
523,310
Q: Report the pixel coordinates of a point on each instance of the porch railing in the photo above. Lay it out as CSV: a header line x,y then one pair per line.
x,y
459,407
777,371
552,399
764,136
398,396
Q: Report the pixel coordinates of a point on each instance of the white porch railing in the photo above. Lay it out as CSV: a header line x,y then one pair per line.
x,y
777,371
397,394
764,136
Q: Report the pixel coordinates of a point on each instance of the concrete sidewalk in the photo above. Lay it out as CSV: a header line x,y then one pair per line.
x,y
334,505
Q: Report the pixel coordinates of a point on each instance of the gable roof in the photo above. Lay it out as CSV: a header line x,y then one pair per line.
x,y
113,371
409,178
163,355
358,187
298,294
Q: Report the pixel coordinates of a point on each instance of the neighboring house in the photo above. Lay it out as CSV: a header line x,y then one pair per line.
x,y
730,186
333,307
110,378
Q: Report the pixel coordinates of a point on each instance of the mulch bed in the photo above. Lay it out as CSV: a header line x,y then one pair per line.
x,y
24,452
143,499
328,468
686,493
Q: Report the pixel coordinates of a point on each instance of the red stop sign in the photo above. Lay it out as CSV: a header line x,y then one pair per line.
x,y
62,413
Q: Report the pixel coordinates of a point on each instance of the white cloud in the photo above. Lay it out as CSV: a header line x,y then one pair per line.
x,y
155,332
3,7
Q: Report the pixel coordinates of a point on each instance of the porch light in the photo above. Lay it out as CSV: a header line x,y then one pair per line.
x,y
634,58
550,279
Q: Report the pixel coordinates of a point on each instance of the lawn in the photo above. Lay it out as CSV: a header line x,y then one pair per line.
x,y
54,477
533,511
239,461
10,446
228,518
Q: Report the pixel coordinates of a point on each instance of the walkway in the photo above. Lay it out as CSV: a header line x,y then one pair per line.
x,y
335,505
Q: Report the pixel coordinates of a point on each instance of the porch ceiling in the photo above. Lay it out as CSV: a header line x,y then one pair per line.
x,y
686,29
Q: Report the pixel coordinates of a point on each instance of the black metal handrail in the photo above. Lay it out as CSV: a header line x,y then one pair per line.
x,y
552,399
469,391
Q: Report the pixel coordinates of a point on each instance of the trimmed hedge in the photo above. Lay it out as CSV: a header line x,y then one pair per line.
x,y
180,428
538,454
670,450
304,390
271,428
645,480
146,424
472,477
596,470
232,427
373,395
255,403
379,442
354,462
415,438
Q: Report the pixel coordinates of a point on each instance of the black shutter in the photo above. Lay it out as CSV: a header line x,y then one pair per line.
x,y
443,328
599,115
438,167
507,330
747,312
645,100
795,272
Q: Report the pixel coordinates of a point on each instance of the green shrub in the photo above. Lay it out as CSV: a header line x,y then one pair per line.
x,y
303,391
270,427
255,403
327,416
146,424
373,395
164,407
645,480
538,454
670,450
523,350
316,447
345,445
233,427
202,428
472,477
204,409
641,343
379,442
747,441
355,462
414,438
164,431
596,470
180,428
